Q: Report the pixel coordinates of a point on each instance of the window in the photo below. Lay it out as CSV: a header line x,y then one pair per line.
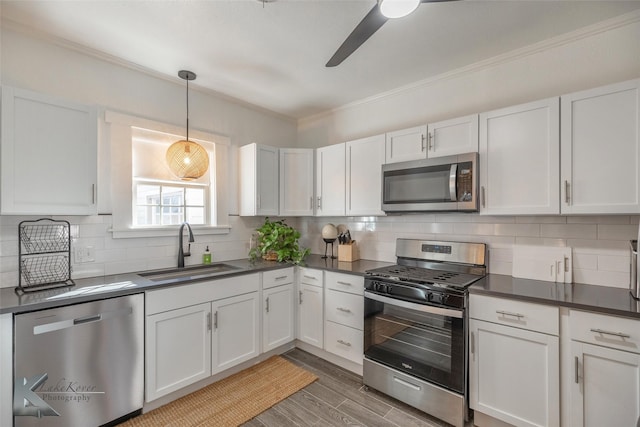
x,y
159,198
146,199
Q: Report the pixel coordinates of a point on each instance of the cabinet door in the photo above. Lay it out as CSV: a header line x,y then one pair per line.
x,y
277,317
514,374
606,386
48,154
364,176
330,180
178,349
310,315
519,159
296,182
601,150
455,136
258,180
236,333
406,144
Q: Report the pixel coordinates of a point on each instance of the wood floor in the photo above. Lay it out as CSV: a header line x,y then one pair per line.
x,y
338,398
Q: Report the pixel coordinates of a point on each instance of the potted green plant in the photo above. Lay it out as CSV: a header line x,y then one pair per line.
x,y
278,241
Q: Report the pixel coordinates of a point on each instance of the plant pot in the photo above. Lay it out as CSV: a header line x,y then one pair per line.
x,y
270,256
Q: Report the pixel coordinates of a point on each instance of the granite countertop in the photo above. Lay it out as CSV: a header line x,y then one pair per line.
x,y
602,299
101,287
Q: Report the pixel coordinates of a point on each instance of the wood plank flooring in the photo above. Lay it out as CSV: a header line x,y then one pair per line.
x,y
338,398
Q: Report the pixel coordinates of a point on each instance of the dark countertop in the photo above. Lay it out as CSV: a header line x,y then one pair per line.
x,y
102,287
600,299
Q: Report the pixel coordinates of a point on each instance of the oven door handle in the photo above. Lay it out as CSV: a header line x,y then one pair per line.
x,y
458,314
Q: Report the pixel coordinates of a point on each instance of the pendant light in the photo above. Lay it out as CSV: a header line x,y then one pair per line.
x,y
186,159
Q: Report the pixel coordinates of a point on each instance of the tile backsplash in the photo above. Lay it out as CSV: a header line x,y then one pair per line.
x,y
600,243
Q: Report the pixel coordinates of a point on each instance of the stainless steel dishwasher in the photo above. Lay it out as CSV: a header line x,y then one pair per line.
x,y
79,365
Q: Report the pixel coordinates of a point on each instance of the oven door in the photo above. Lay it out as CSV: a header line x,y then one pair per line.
x,y
422,340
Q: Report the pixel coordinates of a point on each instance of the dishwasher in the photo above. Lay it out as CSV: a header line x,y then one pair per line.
x,y
79,365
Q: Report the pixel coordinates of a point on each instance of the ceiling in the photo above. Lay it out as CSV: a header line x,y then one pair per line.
x,y
273,54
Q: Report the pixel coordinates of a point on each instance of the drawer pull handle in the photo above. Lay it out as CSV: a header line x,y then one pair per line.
x,y
348,344
508,313
310,277
344,310
617,334
344,283
300,296
577,375
281,277
407,384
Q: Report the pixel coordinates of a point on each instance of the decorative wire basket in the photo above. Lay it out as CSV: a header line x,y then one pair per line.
x,y
44,255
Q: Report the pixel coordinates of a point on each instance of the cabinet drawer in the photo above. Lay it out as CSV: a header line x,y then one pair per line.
x,y
609,331
519,314
345,282
344,308
344,341
310,276
277,277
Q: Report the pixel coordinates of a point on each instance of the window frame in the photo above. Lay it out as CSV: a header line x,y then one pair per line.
x,y
116,150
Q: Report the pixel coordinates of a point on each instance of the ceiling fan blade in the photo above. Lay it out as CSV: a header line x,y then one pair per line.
x,y
365,29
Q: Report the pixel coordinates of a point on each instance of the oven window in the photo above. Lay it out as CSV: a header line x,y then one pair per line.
x,y
426,345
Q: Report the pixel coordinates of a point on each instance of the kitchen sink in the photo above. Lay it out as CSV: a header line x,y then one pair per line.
x,y
190,273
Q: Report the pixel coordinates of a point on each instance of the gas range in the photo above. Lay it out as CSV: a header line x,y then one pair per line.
x,y
430,272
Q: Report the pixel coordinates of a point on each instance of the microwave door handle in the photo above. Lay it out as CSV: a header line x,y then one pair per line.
x,y
453,174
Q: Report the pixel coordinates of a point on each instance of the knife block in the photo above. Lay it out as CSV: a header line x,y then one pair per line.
x,y
348,252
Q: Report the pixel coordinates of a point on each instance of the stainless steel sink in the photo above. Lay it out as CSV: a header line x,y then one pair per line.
x,y
184,274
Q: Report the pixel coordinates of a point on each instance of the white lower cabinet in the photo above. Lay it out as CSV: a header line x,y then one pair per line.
x,y
344,316
178,344
605,388
310,308
278,326
514,374
197,330
514,369
236,333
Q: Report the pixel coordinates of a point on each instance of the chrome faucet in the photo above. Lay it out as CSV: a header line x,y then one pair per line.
x,y
181,252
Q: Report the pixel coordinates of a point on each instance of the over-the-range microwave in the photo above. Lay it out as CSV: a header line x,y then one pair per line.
x,y
441,184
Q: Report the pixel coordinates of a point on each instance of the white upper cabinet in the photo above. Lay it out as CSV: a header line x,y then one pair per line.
x,y
330,180
296,182
451,137
445,138
406,144
48,154
364,175
601,150
519,159
258,180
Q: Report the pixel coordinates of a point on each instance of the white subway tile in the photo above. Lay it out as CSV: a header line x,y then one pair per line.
x,y
568,231
518,230
601,278
617,232
474,229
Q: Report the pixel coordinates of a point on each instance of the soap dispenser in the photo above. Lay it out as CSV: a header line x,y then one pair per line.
x,y
206,257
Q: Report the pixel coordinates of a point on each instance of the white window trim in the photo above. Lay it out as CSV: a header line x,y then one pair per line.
x,y
118,137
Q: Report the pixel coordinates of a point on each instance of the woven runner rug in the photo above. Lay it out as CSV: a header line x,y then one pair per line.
x,y
233,400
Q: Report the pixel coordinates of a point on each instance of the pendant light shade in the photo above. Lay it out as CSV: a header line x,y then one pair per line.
x,y
186,159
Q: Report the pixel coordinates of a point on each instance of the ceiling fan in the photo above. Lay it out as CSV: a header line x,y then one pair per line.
x,y
381,13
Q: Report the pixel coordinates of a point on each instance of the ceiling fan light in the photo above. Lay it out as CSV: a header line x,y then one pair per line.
x,y
397,8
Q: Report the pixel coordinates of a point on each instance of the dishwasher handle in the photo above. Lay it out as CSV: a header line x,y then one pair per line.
x,y
87,319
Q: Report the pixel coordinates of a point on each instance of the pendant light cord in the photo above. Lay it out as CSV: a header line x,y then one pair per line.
x,y
187,109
